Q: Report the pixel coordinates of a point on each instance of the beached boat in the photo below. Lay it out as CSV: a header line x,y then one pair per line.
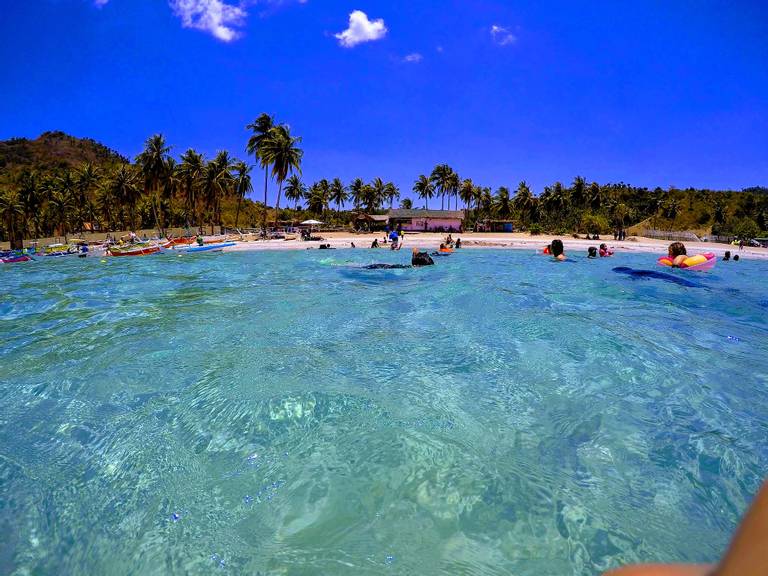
x,y
209,247
143,249
184,241
13,258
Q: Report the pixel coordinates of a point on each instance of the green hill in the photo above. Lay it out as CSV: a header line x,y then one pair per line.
x,y
54,150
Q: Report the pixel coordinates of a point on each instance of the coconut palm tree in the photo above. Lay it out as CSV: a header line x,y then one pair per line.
x,y
441,179
124,187
153,163
356,190
524,202
11,212
60,203
280,150
242,185
579,194
406,204
87,179
391,192
190,173
466,192
337,193
502,202
424,189
317,197
375,194
31,197
452,185
261,128
595,196
217,182
295,189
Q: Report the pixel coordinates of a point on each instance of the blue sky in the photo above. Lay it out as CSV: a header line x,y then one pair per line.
x,y
648,92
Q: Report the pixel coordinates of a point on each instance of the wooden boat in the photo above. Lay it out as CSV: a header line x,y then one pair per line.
x,y
183,241
14,258
134,250
210,247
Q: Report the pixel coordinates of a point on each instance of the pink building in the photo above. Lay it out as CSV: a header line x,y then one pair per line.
x,y
427,220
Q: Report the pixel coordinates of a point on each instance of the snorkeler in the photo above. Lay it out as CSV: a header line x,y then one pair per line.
x,y
556,249
677,253
421,258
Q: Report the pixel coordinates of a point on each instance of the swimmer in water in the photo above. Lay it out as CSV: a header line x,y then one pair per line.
x,y
421,258
677,254
556,249
418,259
591,252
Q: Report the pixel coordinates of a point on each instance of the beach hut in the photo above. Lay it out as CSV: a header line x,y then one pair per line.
x,y
427,220
370,222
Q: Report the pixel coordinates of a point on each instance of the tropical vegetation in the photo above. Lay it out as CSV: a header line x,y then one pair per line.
x,y
57,185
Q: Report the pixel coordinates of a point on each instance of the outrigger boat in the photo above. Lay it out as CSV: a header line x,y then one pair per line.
x,y
13,257
142,249
209,247
183,241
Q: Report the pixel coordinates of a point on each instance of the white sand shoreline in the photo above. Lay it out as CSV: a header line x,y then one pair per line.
x,y
500,241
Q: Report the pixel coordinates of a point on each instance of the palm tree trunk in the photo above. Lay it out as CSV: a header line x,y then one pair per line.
x,y
277,204
237,212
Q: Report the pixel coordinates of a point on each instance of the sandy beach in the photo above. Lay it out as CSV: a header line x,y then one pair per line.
x,y
513,241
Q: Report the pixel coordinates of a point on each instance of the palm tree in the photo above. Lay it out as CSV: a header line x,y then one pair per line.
x,y
125,190
337,193
11,210
243,185
406,204
391,192
579,192
31,197
261,128
595,196
190,172
356,190
61,204
466,192
281,150
375,194
524,201
87,179
503,203
153,163
442,180
424,189
105,202
295,189
317,197
217,182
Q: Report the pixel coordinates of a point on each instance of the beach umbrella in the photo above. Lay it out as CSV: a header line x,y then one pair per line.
x,y
312,222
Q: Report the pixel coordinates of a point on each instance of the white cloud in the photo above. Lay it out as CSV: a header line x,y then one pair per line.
x,y
502,36
99,3
361,30
212,16
414,58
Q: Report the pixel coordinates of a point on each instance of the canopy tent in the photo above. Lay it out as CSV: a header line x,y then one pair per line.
x,y
311,223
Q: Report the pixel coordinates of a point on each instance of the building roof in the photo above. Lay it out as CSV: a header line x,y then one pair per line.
x,y
372,217
449,214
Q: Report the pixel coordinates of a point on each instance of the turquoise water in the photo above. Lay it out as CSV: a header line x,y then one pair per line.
x,y
288,414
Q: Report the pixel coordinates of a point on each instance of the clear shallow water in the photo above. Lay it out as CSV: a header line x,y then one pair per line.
x,y
281,413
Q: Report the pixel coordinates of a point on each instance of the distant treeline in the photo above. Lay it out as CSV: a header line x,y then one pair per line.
x,y
59,184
